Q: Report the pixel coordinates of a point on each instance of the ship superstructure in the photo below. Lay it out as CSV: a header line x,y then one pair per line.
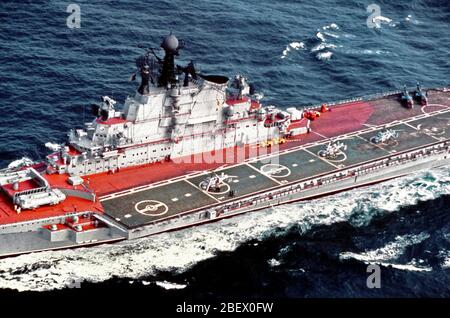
x,y
174,113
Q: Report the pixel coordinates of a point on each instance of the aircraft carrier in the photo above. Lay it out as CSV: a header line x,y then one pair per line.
x,y
190,148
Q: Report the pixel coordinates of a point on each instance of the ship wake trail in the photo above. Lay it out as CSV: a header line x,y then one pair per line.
x,y
179,251
388,255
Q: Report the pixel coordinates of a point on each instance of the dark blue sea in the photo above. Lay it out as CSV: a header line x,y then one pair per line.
x,y
297,53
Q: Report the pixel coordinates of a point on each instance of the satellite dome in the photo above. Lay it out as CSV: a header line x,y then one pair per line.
x,y
170,43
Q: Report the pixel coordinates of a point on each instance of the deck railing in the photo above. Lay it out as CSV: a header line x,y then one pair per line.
x,y
367,97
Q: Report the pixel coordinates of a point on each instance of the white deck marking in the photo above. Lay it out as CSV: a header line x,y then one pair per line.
x,y
127,216
431,105
252,176
175,199
296,165
323,159
319,134
274,170
151,208
418,129
203,191
187,195
263,174
372,127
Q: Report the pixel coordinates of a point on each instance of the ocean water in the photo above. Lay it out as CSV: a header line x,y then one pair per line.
x,y
297,54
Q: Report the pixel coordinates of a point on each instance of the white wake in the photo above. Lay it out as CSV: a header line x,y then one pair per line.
x,y
388,254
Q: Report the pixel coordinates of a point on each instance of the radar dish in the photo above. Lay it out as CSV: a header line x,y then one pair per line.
x,y
170,43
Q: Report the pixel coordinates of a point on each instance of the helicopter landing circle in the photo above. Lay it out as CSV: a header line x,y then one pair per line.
x,y
423,108
433,131
151,208
275,170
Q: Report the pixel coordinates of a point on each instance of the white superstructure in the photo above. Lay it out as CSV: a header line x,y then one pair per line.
x,y
171,118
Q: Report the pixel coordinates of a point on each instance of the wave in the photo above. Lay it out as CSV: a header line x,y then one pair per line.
x,y
297,45
323,46
273,262
445,255
320,36
412,267
52,146
412,20
179,251
324,56
333,35
168,285
333,26
293,46
378,21
388,254
446,263
381,19
320,43
367,52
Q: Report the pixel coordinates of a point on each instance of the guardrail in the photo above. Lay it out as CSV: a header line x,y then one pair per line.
x,y
43,220
367,97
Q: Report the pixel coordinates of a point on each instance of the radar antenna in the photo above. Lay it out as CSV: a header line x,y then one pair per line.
x,y
171,46
146,66
162,72
187,70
